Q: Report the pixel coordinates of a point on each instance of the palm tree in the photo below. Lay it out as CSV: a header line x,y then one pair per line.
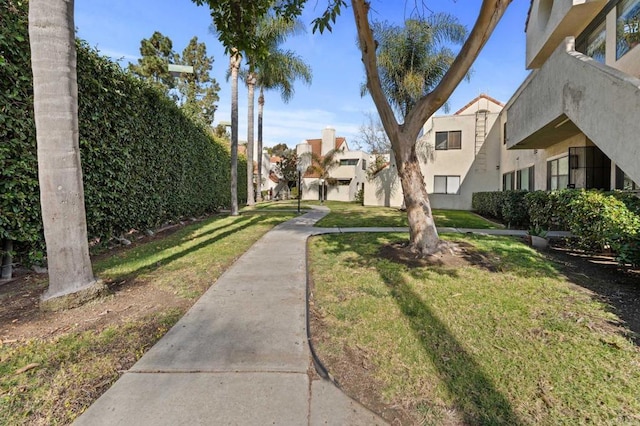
x,y
278,70
55,93
321,166
251,85
279,73
234,66
408,70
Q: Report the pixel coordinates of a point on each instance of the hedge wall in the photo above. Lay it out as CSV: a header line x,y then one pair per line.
x,y
144,162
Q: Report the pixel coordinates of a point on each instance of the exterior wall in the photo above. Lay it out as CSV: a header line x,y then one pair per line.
x,y
355,173
385,188
572,94
550,21
477,170
476,163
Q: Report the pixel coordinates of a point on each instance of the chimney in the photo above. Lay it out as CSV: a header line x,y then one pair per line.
x,y
328,140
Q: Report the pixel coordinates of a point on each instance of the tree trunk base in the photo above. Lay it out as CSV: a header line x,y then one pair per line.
x,y
441,247
61,302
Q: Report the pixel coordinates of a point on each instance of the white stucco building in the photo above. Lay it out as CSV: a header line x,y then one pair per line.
x,y
574,122
459,155
345,179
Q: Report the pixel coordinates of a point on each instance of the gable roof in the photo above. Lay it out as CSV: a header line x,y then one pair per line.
x,y
316,144
476,99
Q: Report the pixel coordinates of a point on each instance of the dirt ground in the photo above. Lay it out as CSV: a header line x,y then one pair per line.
x,y
21,319
599,275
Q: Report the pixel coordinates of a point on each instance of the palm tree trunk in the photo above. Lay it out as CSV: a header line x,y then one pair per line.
x,y
251,84
235,65
423,234
55,91
259,150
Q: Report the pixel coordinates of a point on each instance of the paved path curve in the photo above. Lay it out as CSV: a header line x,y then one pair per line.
x,y
239,356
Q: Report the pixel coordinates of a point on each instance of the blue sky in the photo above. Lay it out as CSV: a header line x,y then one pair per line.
x,y
333,99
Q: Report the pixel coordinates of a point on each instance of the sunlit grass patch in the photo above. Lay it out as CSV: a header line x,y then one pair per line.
x,y
354,215
507,341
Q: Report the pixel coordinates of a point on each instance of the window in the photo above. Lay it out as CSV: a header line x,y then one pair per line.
x,y
349,162
364,164
504,134
446,185
558,173
624,182
589,168
593,41
628,26
524,179
508,181
449,140
343,182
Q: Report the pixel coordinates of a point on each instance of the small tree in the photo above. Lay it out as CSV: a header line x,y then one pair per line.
x,y
372,137
322,165
198,92
156,54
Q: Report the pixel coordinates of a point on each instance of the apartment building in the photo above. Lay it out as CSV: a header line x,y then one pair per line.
x,y
345,178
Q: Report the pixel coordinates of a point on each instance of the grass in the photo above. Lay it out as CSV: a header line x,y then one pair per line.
x,y
74,368
278,205
509,342
348,215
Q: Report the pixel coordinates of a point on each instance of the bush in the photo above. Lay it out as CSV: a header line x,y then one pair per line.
x,y
506,206
360,197
601,221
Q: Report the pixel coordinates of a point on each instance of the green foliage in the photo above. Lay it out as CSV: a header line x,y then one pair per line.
x,y
360,197
144,162
19,197
599,220
153,67
413,58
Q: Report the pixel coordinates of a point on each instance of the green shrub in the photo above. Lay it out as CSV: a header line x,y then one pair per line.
x,y
601,221
507,206
360,197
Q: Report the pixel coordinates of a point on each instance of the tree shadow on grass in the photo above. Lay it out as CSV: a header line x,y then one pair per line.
x,y
473,392
151,263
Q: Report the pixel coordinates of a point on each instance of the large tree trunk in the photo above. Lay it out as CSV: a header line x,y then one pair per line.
x,y
55,91
259,150
423,234
235,65
251,84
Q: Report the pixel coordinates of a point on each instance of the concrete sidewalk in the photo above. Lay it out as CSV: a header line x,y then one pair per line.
x,y
240,355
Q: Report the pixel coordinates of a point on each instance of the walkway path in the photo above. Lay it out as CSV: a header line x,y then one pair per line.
x,y
240,355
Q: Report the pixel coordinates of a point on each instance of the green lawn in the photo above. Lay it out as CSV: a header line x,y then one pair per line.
x,y
348,215
509,342
71,369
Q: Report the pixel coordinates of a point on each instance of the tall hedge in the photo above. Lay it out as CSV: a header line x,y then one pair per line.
x,y
144,163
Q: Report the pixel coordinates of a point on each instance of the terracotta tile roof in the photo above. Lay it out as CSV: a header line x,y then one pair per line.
x,y
273,177
316,148
473,101
275,159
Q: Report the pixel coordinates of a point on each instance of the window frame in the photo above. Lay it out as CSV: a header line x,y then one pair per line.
x,y
447,144
550,174
446,184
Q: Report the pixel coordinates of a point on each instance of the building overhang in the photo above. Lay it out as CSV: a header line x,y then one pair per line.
x,y
557,130
550,21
